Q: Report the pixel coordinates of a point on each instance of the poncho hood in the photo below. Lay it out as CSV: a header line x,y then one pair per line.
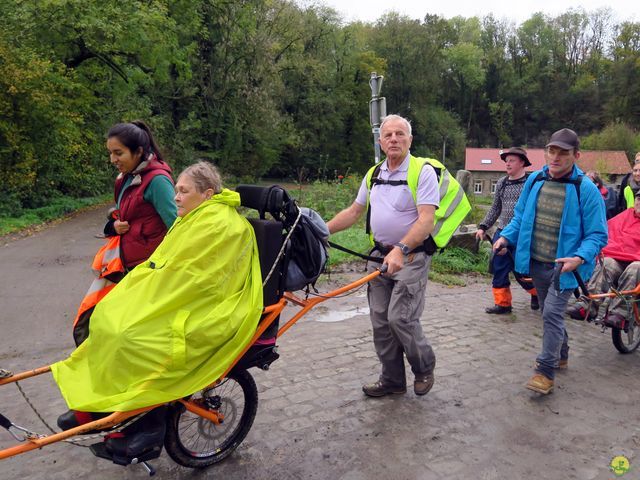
x,y
176,322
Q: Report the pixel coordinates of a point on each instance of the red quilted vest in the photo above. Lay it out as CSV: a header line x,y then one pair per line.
x,y
146,228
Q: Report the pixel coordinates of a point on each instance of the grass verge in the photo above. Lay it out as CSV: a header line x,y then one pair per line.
x,y
56,209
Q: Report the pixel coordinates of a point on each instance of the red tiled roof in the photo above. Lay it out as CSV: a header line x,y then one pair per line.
x,y
605,161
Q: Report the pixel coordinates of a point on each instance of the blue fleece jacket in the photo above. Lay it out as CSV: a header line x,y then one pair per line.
x,y
583,227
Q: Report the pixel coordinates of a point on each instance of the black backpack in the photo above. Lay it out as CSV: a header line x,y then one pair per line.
x,y
306,251
308,254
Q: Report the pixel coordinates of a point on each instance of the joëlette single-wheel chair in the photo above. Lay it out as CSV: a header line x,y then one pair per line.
x,y
208,426
625,337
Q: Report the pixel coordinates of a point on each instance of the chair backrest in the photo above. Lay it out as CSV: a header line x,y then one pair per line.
x,y
269,239
274,200
270,234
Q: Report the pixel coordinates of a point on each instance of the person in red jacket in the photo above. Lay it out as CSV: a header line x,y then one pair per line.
x,y
144,192
620,267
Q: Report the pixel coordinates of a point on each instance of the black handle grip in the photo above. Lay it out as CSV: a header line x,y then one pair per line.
x,y
556,275
5,422
556,279
383,268
581,284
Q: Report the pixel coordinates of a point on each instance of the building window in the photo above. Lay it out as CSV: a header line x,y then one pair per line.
x,y
493,186
477,187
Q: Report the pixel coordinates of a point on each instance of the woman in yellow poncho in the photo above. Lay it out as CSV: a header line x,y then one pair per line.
x,y
177,321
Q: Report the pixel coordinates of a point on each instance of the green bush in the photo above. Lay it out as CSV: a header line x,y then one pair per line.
x,y
615,136
327,198
455,260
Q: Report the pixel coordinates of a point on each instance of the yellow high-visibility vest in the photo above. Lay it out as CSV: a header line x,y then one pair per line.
x,y
454,204
629,197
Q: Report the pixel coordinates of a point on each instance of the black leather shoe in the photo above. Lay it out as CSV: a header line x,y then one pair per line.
x,y
535,304
73,418
498,310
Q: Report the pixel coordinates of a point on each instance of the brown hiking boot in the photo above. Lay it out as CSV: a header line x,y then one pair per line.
x,y
540,383
563,364
423,383
377,389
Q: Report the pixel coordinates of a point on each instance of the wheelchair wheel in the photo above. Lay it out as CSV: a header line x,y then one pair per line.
x,y
195,442
626,342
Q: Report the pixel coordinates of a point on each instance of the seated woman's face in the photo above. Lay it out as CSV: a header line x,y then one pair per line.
x,y
187,196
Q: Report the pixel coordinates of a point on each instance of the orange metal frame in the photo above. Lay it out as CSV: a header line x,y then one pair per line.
x,y
269,314
623,293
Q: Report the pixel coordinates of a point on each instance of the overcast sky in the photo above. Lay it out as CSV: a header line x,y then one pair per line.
x,y
518,10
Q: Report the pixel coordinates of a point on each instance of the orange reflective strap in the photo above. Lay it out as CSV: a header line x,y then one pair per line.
x,y
97,291
108,260
105,262
502,296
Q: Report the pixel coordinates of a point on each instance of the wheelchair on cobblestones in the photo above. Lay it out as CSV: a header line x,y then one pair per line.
x,y
626,337
207,426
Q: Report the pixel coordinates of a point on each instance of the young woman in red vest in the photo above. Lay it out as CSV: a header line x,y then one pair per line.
x,y
144,192
145,209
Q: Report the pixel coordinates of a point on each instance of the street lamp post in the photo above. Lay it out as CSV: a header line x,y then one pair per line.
x,y
377,111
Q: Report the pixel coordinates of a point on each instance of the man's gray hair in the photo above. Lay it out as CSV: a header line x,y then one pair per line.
x,y
396,117
205,175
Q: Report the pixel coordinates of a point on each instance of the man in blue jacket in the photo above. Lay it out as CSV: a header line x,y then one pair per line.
x,y
559,219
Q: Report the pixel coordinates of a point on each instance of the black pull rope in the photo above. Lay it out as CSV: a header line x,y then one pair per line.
x,y
364,257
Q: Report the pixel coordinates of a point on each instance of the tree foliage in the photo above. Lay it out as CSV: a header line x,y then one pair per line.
x,y
270,87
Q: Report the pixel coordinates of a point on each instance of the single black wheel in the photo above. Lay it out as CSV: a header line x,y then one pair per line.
x,y
195,442
626,342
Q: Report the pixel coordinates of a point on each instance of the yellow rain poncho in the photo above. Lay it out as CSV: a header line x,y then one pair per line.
x,y
174,323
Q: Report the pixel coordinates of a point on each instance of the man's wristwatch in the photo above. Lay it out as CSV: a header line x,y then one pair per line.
x,y
404,248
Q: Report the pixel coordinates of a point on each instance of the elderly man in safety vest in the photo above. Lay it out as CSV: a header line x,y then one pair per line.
x,y
404,196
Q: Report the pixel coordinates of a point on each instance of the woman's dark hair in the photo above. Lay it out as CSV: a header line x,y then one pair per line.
x,y
134,135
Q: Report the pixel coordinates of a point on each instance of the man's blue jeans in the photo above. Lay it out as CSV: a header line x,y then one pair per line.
x,y
553,303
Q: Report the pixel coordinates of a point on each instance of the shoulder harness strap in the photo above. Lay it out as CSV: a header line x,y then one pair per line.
x,y
375,180
575,181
